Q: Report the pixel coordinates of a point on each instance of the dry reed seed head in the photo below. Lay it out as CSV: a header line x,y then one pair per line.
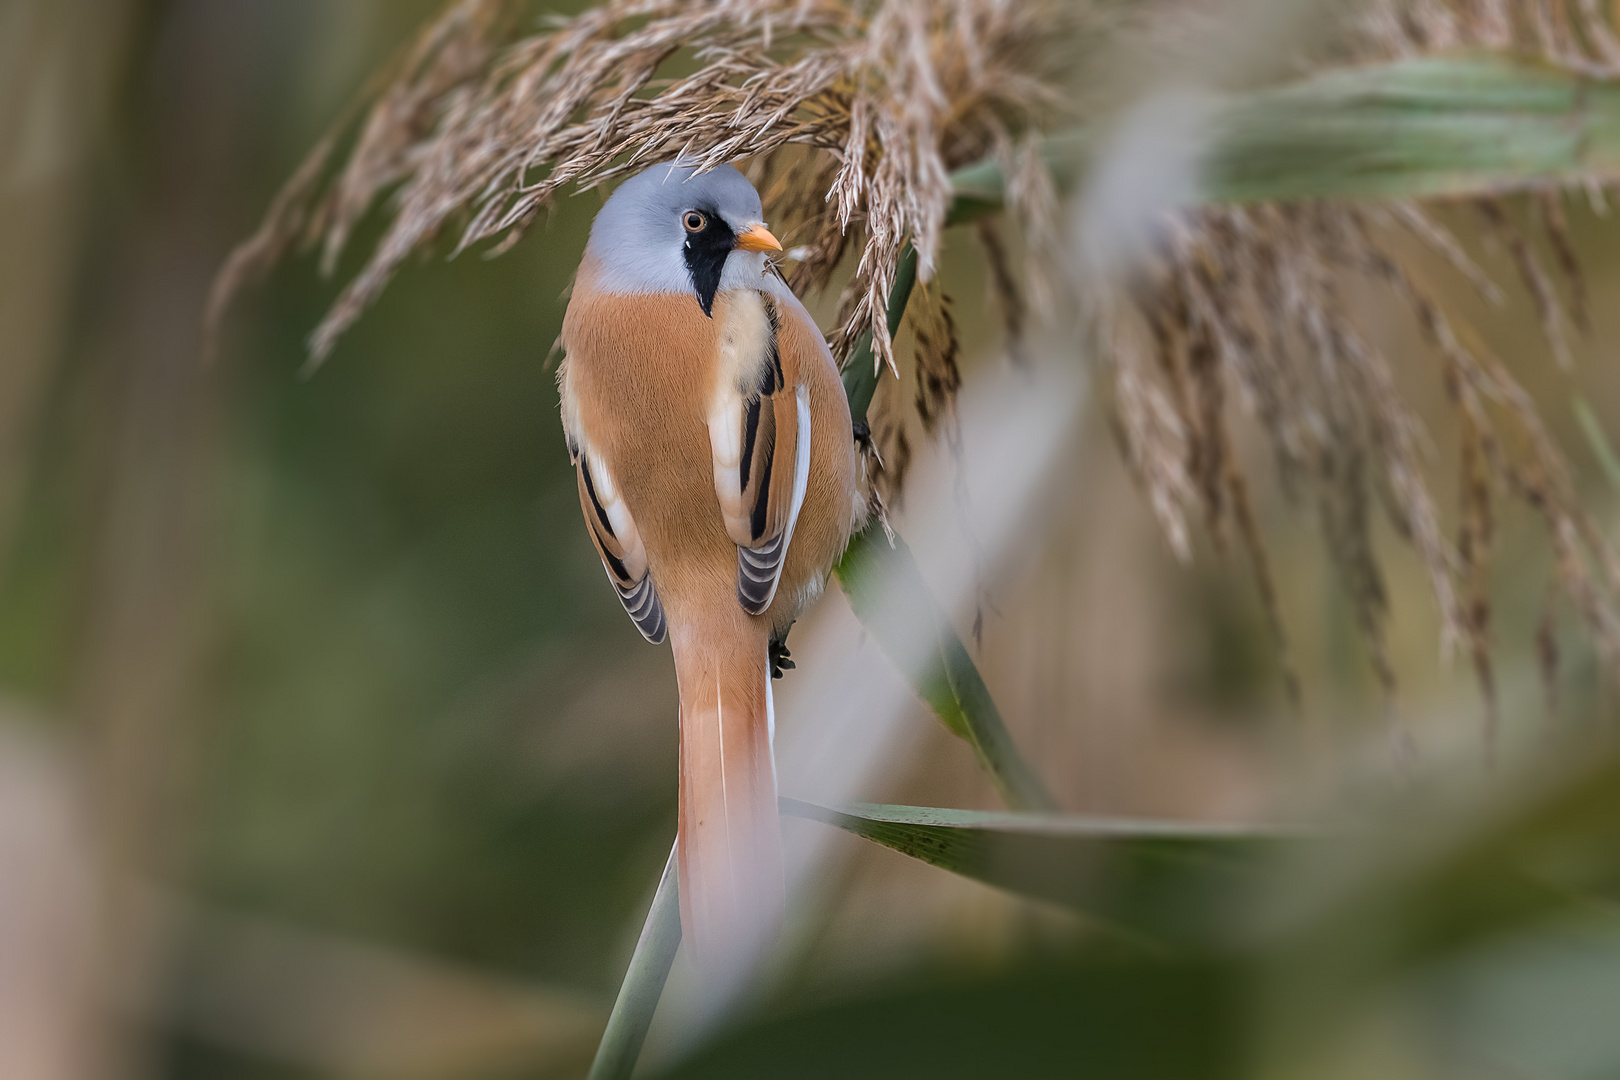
x,y
1004,288
1258,291
1248,530
1475,532
1155,439
1437,238
1534,276
888,453
479,127
1578,35
1549,204
1262,285
937,352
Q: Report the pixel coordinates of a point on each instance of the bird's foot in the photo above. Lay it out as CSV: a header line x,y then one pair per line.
x,y
781,659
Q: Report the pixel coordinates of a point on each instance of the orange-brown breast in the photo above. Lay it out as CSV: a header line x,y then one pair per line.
x,y
638,377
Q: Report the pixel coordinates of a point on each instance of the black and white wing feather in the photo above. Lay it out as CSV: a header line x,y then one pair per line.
x,y
759,431
614,533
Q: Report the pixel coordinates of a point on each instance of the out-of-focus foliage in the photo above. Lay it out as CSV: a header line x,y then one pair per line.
x,y
882,580
1484,911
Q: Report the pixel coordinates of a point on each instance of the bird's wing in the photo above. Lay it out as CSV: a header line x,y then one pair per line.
x,y
613,531
760,437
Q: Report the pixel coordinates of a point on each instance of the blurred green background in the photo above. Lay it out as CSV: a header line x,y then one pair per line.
x,y
381,776
339,646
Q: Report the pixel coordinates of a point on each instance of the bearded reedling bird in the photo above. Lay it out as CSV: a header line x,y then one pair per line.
x,y
717,474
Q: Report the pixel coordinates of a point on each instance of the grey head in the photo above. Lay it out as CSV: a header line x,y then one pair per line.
x,y
672,229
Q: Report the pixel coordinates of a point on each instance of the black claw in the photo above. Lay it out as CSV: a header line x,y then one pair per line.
x,y
863,435
781,659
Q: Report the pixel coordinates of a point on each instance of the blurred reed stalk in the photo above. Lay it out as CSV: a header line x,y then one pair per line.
x,y
59,63
147,452
60,67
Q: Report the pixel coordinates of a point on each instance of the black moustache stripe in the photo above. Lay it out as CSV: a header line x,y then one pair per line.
x,y
706,252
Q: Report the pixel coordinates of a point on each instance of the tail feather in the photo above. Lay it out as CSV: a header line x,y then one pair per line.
x,y
729,842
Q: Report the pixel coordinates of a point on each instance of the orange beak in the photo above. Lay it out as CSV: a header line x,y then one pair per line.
x,y
758,238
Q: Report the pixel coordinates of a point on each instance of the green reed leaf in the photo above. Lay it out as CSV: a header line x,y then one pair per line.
x,y
1172,882
1413,129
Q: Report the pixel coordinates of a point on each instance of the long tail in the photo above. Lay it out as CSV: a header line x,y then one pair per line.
x,y
729,841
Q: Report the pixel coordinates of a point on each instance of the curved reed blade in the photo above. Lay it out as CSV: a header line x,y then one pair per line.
x,y
1137,876
1434,127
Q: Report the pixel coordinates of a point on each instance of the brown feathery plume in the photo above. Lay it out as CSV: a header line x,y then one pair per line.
x,y
317,207
1245,306
1004,284
938,352
1535,278
480,130
1253,296
887,450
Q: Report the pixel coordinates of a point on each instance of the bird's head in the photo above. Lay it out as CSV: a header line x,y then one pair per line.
x,y
673,229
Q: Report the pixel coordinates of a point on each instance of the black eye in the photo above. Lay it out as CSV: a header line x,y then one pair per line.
x,y
694,221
